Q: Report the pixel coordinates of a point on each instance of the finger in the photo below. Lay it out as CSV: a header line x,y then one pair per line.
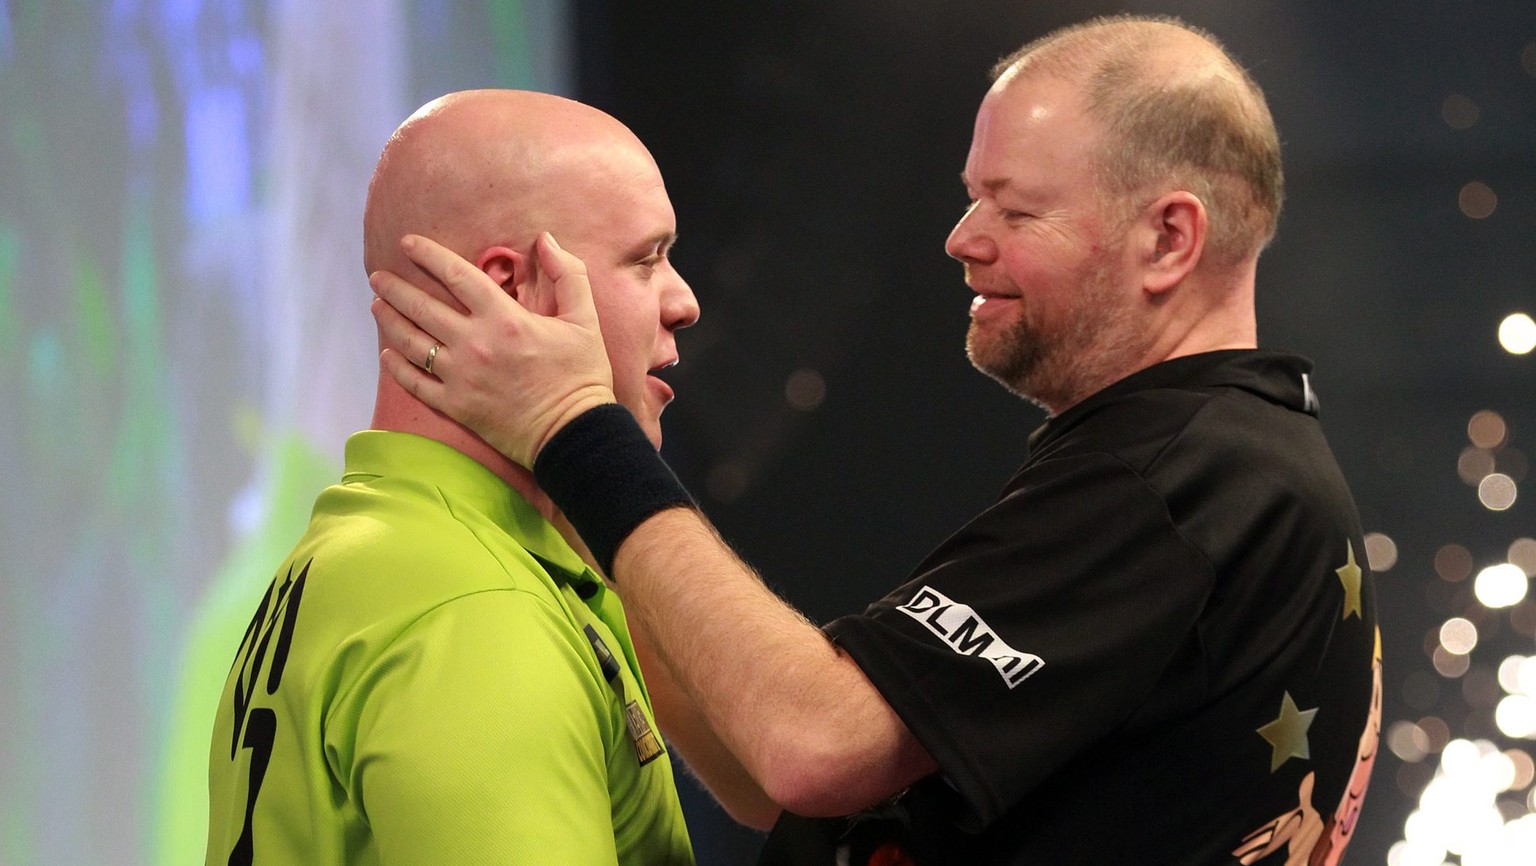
x,y
418,307
413,379
467,283
573,293
403,336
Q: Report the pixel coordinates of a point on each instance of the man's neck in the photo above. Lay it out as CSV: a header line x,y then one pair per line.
x,y
396,410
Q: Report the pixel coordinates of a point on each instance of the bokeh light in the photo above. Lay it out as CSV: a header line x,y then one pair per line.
x,y
1487,429
1477,200
1453,563
1459,112
1474,464
1522,553
1458,635
1448,664
1516,716
805,390
1380,551
1497,492
1408,742
1517,334
1501,585
1525,769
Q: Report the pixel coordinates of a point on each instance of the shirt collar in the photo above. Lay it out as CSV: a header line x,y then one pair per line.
x,y
459,479
1278,377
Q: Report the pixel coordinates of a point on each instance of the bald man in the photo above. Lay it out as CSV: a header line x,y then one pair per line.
x,y
1158,645
436,675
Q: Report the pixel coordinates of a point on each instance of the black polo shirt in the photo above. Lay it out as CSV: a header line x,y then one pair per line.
x,y
1157,646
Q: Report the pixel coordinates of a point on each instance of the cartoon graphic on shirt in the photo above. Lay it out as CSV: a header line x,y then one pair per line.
x,y
1308,839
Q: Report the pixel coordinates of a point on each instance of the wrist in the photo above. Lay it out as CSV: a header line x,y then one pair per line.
x,y
601,470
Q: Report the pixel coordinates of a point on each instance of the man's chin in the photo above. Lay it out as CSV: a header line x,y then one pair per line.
x,y
651,424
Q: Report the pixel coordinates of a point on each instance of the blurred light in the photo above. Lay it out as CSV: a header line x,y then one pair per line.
x,y
727,482
1517,334
1474,465
1516,716
1453,563
1408,742
1497,492
1457,808
1507,845
1487,429
1498,771
805,390
1458,636
1448,664
1477,200
1523,618
1522,553
1437,730
1525,677
1412,854
1459,112
1502,585
1525,769
1380,552
1509,674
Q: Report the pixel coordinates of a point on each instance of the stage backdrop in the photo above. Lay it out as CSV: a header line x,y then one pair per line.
x,y
186,342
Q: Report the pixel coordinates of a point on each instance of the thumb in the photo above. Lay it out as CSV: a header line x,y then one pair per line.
x,y
572,291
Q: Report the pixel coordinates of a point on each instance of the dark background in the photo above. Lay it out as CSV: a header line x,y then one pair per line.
x,y
812,150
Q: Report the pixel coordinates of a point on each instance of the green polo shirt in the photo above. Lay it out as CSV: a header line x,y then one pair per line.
x,y
436,677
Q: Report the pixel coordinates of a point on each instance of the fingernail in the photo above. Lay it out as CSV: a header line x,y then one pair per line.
x,y
408,243
554,243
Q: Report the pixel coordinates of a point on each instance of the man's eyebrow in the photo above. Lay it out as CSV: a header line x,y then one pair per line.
x,y
661,241
991,185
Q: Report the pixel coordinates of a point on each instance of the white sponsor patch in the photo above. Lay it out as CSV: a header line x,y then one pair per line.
x,y
967,633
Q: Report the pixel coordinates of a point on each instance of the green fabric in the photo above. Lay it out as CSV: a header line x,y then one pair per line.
x,y
421,677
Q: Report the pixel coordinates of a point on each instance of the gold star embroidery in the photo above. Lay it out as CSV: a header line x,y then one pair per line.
x,y
1349,575
1288,734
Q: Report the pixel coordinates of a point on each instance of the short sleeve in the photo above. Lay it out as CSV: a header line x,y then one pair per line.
x,y
480,738
1036,629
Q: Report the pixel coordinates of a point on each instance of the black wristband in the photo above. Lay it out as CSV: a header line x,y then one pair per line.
x,y
602,471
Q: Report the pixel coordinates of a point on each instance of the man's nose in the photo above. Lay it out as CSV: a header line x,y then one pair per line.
x,y
679,307
969,241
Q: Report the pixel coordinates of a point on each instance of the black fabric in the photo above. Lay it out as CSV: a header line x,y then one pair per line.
x,y
1150,587
604,474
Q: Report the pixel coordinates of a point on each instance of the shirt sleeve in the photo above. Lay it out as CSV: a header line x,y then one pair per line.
x,y
480,738
1036,629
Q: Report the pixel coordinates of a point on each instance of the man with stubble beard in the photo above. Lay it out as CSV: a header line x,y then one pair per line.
x,y
1157,646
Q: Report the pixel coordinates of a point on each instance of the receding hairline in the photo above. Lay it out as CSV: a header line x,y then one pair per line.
x,y
1079,49
1173,105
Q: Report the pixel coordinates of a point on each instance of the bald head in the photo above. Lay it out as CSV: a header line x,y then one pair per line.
x,y
1176,111
485,168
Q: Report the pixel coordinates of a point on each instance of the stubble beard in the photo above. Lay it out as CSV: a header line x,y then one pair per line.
x,y
1058,366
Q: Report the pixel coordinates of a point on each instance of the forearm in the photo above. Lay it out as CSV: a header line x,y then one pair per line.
x,y
798,713
689,732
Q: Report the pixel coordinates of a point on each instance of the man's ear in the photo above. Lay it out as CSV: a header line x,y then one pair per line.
x,y
1171,236
515,273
